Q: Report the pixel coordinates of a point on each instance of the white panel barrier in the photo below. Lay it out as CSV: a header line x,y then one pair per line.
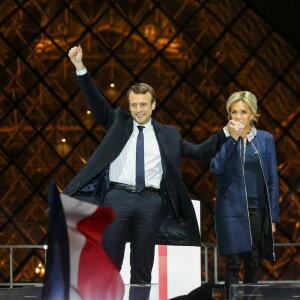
x,y
177,267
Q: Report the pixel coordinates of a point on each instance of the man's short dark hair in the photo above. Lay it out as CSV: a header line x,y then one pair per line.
x,y
142,88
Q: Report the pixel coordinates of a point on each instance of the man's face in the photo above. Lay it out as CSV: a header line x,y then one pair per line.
x,y
141,107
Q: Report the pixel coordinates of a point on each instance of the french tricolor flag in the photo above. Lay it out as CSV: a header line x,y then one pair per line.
x,y
77,266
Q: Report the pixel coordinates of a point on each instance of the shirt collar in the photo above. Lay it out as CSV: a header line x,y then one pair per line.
x,y
147,125
251,134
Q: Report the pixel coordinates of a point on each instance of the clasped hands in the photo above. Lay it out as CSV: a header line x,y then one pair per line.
x,y
235,129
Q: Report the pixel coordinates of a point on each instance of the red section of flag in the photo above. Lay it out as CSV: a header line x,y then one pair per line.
x,y
98,278
163,272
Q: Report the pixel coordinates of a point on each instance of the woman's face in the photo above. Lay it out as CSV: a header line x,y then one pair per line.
x,y
240,111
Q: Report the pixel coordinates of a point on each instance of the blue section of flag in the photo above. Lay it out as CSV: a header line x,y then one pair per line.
x,y
57,276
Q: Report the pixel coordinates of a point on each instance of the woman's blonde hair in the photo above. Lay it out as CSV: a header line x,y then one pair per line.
x,y
247,98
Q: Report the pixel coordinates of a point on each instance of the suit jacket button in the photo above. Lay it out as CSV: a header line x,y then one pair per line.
x,y
113,155
95,171
78,184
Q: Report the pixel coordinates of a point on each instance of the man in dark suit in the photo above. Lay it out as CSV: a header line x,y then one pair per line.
x,y
144,187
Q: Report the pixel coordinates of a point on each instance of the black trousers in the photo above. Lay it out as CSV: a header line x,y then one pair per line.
x,y
250,259
137,220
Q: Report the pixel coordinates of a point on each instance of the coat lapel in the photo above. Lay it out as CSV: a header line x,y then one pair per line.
x,y
161,135
128,130
158,128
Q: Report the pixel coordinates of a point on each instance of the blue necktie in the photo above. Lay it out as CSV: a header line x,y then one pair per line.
x,y
140,165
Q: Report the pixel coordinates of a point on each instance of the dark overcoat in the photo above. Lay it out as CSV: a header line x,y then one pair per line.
x,y
178,224
231,210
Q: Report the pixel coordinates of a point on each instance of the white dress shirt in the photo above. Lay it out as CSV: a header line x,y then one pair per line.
x,y
81,72
122,169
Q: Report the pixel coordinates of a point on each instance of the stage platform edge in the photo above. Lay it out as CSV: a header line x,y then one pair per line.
x,y
271,291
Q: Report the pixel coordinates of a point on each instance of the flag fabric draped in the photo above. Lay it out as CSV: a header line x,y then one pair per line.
x,y
77,266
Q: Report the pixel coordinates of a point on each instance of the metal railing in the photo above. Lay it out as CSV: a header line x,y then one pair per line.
x,y
216,281
205,248
11,248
